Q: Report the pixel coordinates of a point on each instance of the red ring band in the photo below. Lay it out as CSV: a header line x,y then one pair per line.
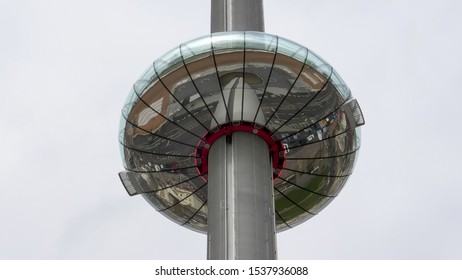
x,y
276,148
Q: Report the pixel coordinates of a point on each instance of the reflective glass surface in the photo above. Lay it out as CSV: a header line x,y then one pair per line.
x,y
187,92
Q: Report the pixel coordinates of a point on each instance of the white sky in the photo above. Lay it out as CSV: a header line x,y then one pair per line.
x,y
66,68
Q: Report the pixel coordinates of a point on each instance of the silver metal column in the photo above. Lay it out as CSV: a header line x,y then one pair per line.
x,y
241,217
241,222
237,15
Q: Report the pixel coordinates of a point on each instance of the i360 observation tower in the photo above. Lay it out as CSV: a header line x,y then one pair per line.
x,y
239,134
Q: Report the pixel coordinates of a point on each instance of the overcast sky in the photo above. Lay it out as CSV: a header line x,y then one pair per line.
x,y
66,68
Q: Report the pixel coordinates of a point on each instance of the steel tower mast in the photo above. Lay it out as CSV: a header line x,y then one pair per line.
x,y
237,15
241,222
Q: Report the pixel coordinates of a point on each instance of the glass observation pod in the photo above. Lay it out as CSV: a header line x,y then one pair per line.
x,y
186,100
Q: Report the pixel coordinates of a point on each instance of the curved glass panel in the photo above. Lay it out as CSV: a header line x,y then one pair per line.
x,y
197,90
260,55
147,128
131,98
149,74
309,202
128,105
181,204
292,50
319,64
288,213
284,76
343,143
196,49
260,41
140,86
170,61
340,85
228,42
334,166
185,100
324,186
203,80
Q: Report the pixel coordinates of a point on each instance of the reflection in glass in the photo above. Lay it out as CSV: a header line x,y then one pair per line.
x,y
185,94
